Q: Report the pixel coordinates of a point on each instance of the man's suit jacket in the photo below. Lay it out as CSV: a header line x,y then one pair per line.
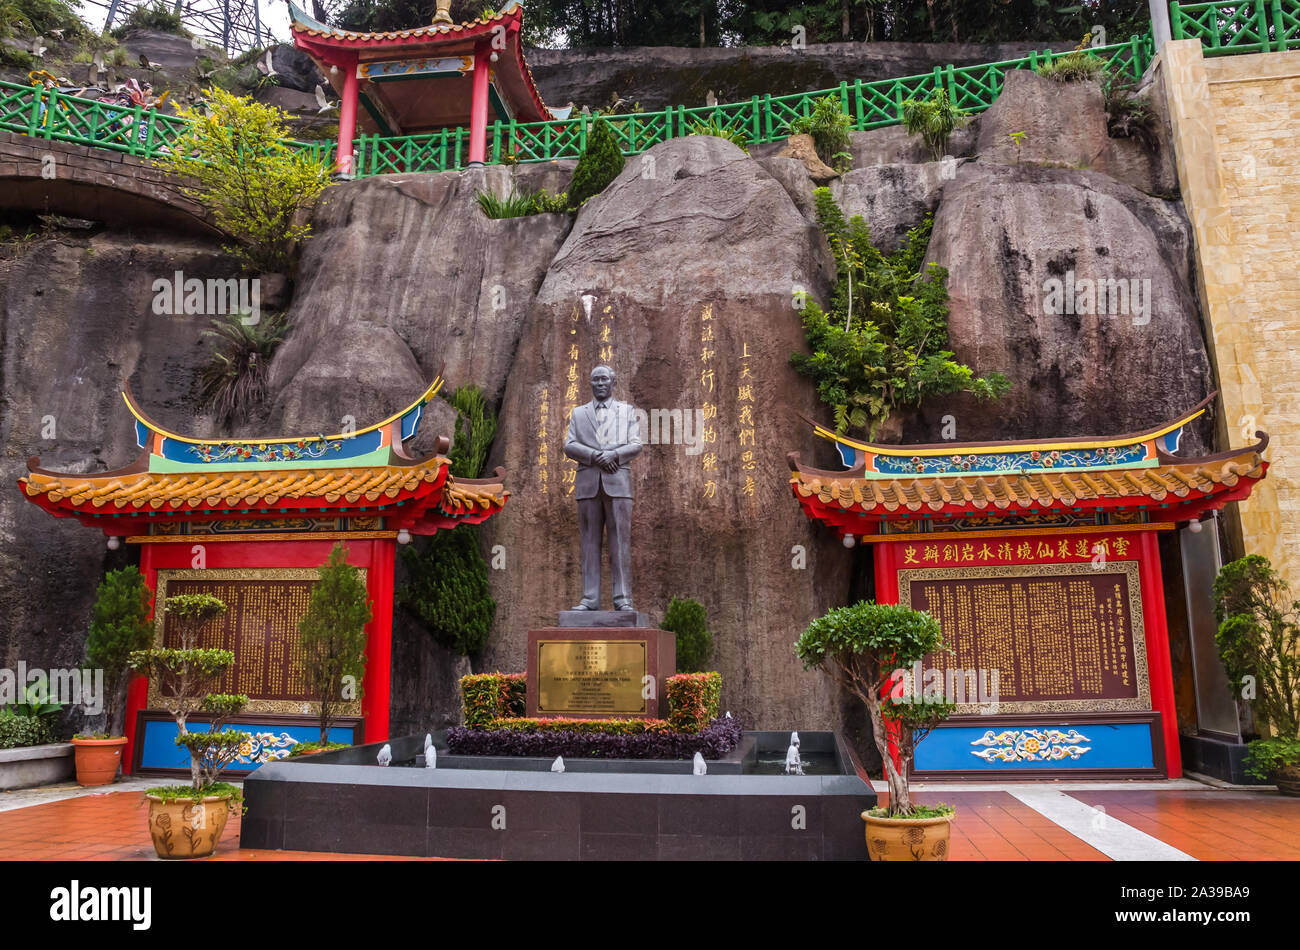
x,y
582,443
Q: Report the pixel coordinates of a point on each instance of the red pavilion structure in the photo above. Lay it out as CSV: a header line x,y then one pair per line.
x,y
428,78
252,521
1040,560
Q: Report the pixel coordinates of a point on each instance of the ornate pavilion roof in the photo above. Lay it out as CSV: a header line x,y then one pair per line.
x,y
1135,474
364,473
416,80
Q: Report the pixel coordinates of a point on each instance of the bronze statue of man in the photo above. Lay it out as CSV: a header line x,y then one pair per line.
x,y
603,437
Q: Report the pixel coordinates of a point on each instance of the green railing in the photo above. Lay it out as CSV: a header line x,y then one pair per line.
x,y
1252,26
1241,27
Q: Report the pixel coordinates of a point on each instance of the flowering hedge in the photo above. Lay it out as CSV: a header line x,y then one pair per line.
x,y
488,696
573,739
693,700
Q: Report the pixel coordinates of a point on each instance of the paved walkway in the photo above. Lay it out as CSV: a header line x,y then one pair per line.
x,y
1180,820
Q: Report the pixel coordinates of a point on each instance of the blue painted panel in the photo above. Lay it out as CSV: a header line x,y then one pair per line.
x,y
160,751
1123,745
254,453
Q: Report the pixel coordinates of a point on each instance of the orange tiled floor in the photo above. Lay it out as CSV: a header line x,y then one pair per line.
x,y
990,826
112,827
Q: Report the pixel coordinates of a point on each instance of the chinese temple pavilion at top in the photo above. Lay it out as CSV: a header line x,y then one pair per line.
x,y
251,522
427,78
1042,564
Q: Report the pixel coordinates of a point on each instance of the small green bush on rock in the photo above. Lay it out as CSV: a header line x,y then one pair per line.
x,y
600,163
687,619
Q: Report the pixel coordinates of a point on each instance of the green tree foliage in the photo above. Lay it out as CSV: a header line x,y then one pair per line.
x,y
158,16
880,345
859,647
447,587
600,163
119,626
39,17
253,183
332,636
933,118
686,618
829,128
233,381
476,427
1259,644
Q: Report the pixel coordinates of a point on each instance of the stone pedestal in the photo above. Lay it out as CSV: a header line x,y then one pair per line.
x,y
589,668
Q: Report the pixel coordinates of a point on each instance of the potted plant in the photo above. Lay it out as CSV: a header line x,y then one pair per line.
x,y
119,625
1259,644
187,821
859,647
333,639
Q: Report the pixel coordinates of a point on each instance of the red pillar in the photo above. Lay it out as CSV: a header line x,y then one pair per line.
x,y
376,685
478,106
347,120
137,694
1159,664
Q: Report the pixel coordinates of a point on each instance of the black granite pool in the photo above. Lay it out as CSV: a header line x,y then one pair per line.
x,y
597,809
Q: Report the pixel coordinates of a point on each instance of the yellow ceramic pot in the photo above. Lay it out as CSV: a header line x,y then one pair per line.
x,y
908,839
187,828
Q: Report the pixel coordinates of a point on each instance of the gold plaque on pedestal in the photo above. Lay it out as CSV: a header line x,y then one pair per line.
x,y
591,677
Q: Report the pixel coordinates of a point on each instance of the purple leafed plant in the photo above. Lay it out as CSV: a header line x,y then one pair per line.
x,y
715,740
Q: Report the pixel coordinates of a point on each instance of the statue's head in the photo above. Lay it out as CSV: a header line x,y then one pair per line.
x,y
602,382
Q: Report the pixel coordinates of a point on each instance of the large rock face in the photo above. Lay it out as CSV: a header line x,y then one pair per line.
x,y
76,323
403,276
1004,233
691,270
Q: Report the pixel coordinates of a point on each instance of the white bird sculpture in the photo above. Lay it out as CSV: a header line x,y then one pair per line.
x,y
793,763
323,104
149,64
430,757
728,713
710,99
386,755
36,49
428,740
698,767
265,66
558,764
794,739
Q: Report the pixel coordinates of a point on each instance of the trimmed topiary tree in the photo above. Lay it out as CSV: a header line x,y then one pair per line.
x,y
332,635
119,626
686,618
600,163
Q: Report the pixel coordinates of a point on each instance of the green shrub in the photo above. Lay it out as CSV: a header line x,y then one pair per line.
x,y
881,342
736,137
253,183
333,638
1259,644
613,727
858,647
1078,66
40,17
600,163
233,382
687,619
829,128
489,696
521,204
157,16
1127,115
119,625
693,700
18,731
933,118
476,427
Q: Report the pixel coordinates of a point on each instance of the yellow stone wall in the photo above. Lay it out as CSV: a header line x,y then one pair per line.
x,y
1236,124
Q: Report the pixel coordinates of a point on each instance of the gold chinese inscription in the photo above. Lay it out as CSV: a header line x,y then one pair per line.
x,y
260,626
590,677
1063,637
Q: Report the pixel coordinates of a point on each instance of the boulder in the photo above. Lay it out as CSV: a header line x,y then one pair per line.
x,y
1003,233
174,53
891,145
691,271
296,69
414,256
892,198
1065,126
802,149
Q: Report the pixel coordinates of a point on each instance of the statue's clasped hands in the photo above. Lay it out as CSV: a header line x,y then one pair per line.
x,y
607,460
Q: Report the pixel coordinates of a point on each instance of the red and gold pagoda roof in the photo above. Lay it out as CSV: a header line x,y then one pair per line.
x,y
1134,475
418,80
361,474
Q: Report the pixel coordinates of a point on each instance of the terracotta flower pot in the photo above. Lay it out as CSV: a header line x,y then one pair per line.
x,y
907,839
186,828
98,759
1288,780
